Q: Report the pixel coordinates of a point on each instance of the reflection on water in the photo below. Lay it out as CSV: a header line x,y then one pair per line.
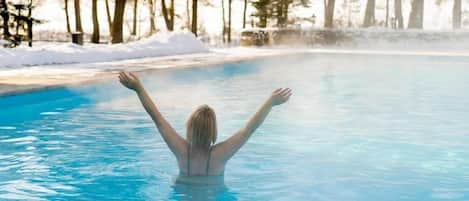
x,y
201,189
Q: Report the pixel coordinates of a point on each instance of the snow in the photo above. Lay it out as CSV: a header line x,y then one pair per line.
x,y
162,44
26,60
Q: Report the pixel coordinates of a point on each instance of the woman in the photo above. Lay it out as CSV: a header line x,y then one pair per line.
x,y
198,155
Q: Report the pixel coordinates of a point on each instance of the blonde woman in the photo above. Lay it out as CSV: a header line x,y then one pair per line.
x,y
198,155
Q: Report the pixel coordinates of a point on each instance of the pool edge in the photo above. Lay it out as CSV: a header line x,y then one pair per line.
x,y
108,74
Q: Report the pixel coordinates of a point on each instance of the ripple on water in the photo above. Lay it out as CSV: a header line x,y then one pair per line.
x,y
31,131
7,128
20,196
20,139
50,113
447,195
24,190
368,132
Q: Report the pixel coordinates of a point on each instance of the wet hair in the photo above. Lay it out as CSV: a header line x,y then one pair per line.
x,y
202,127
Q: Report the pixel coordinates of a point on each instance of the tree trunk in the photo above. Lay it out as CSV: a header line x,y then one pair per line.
x,y
194,17
457,14
67,17
117,23
329,13
387,14
369,14
95,35
134,23
188,12
285,12
398,13
171,14
223,20
108,14
280,13
416,15
151,7
166,16
78,27
244,13
5,18
229,21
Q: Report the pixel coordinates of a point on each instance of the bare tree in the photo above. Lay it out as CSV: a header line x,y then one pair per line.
x,y
229,21
188,12
134,23
369,14
416,15
223,19
457,14
168,16
117,23
244,13
151,7
108,14
67,16
329,13
95,35
78,27
398,13
194,17
171,14
387,14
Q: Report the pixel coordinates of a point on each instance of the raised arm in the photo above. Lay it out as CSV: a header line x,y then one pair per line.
x,y
229,147
175,142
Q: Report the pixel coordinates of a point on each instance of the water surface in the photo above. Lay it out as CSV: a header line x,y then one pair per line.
x,y
358,127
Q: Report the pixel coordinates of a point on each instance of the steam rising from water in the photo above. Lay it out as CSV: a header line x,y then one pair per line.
x,y
358,127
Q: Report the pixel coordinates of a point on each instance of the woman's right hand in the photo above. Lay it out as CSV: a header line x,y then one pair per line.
x,y
280,96
129,80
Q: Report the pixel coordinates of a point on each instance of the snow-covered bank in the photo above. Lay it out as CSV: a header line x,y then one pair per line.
x,y
67,53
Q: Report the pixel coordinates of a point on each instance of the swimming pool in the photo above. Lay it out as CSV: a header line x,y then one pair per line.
x,y
358,127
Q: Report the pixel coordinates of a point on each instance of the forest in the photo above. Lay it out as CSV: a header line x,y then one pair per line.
x,y
254,14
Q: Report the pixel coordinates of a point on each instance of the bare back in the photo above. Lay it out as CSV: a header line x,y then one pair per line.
x,y
202,163
212,161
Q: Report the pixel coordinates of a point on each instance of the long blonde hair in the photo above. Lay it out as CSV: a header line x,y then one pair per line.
x,y
202,127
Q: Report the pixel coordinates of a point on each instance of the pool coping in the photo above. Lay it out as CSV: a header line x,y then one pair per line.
x,y
20,84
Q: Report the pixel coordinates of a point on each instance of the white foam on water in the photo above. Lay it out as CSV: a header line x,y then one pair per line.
x,y
7,128
21,139
31,131
21,186
17,196
50,113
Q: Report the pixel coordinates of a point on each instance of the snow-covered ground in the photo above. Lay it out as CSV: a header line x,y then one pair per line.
x,y
67,53
170,44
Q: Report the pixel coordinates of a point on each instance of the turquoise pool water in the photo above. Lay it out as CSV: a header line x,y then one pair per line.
x,y
358,127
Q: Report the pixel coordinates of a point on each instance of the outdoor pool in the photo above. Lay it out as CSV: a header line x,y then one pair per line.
x,y
357,128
